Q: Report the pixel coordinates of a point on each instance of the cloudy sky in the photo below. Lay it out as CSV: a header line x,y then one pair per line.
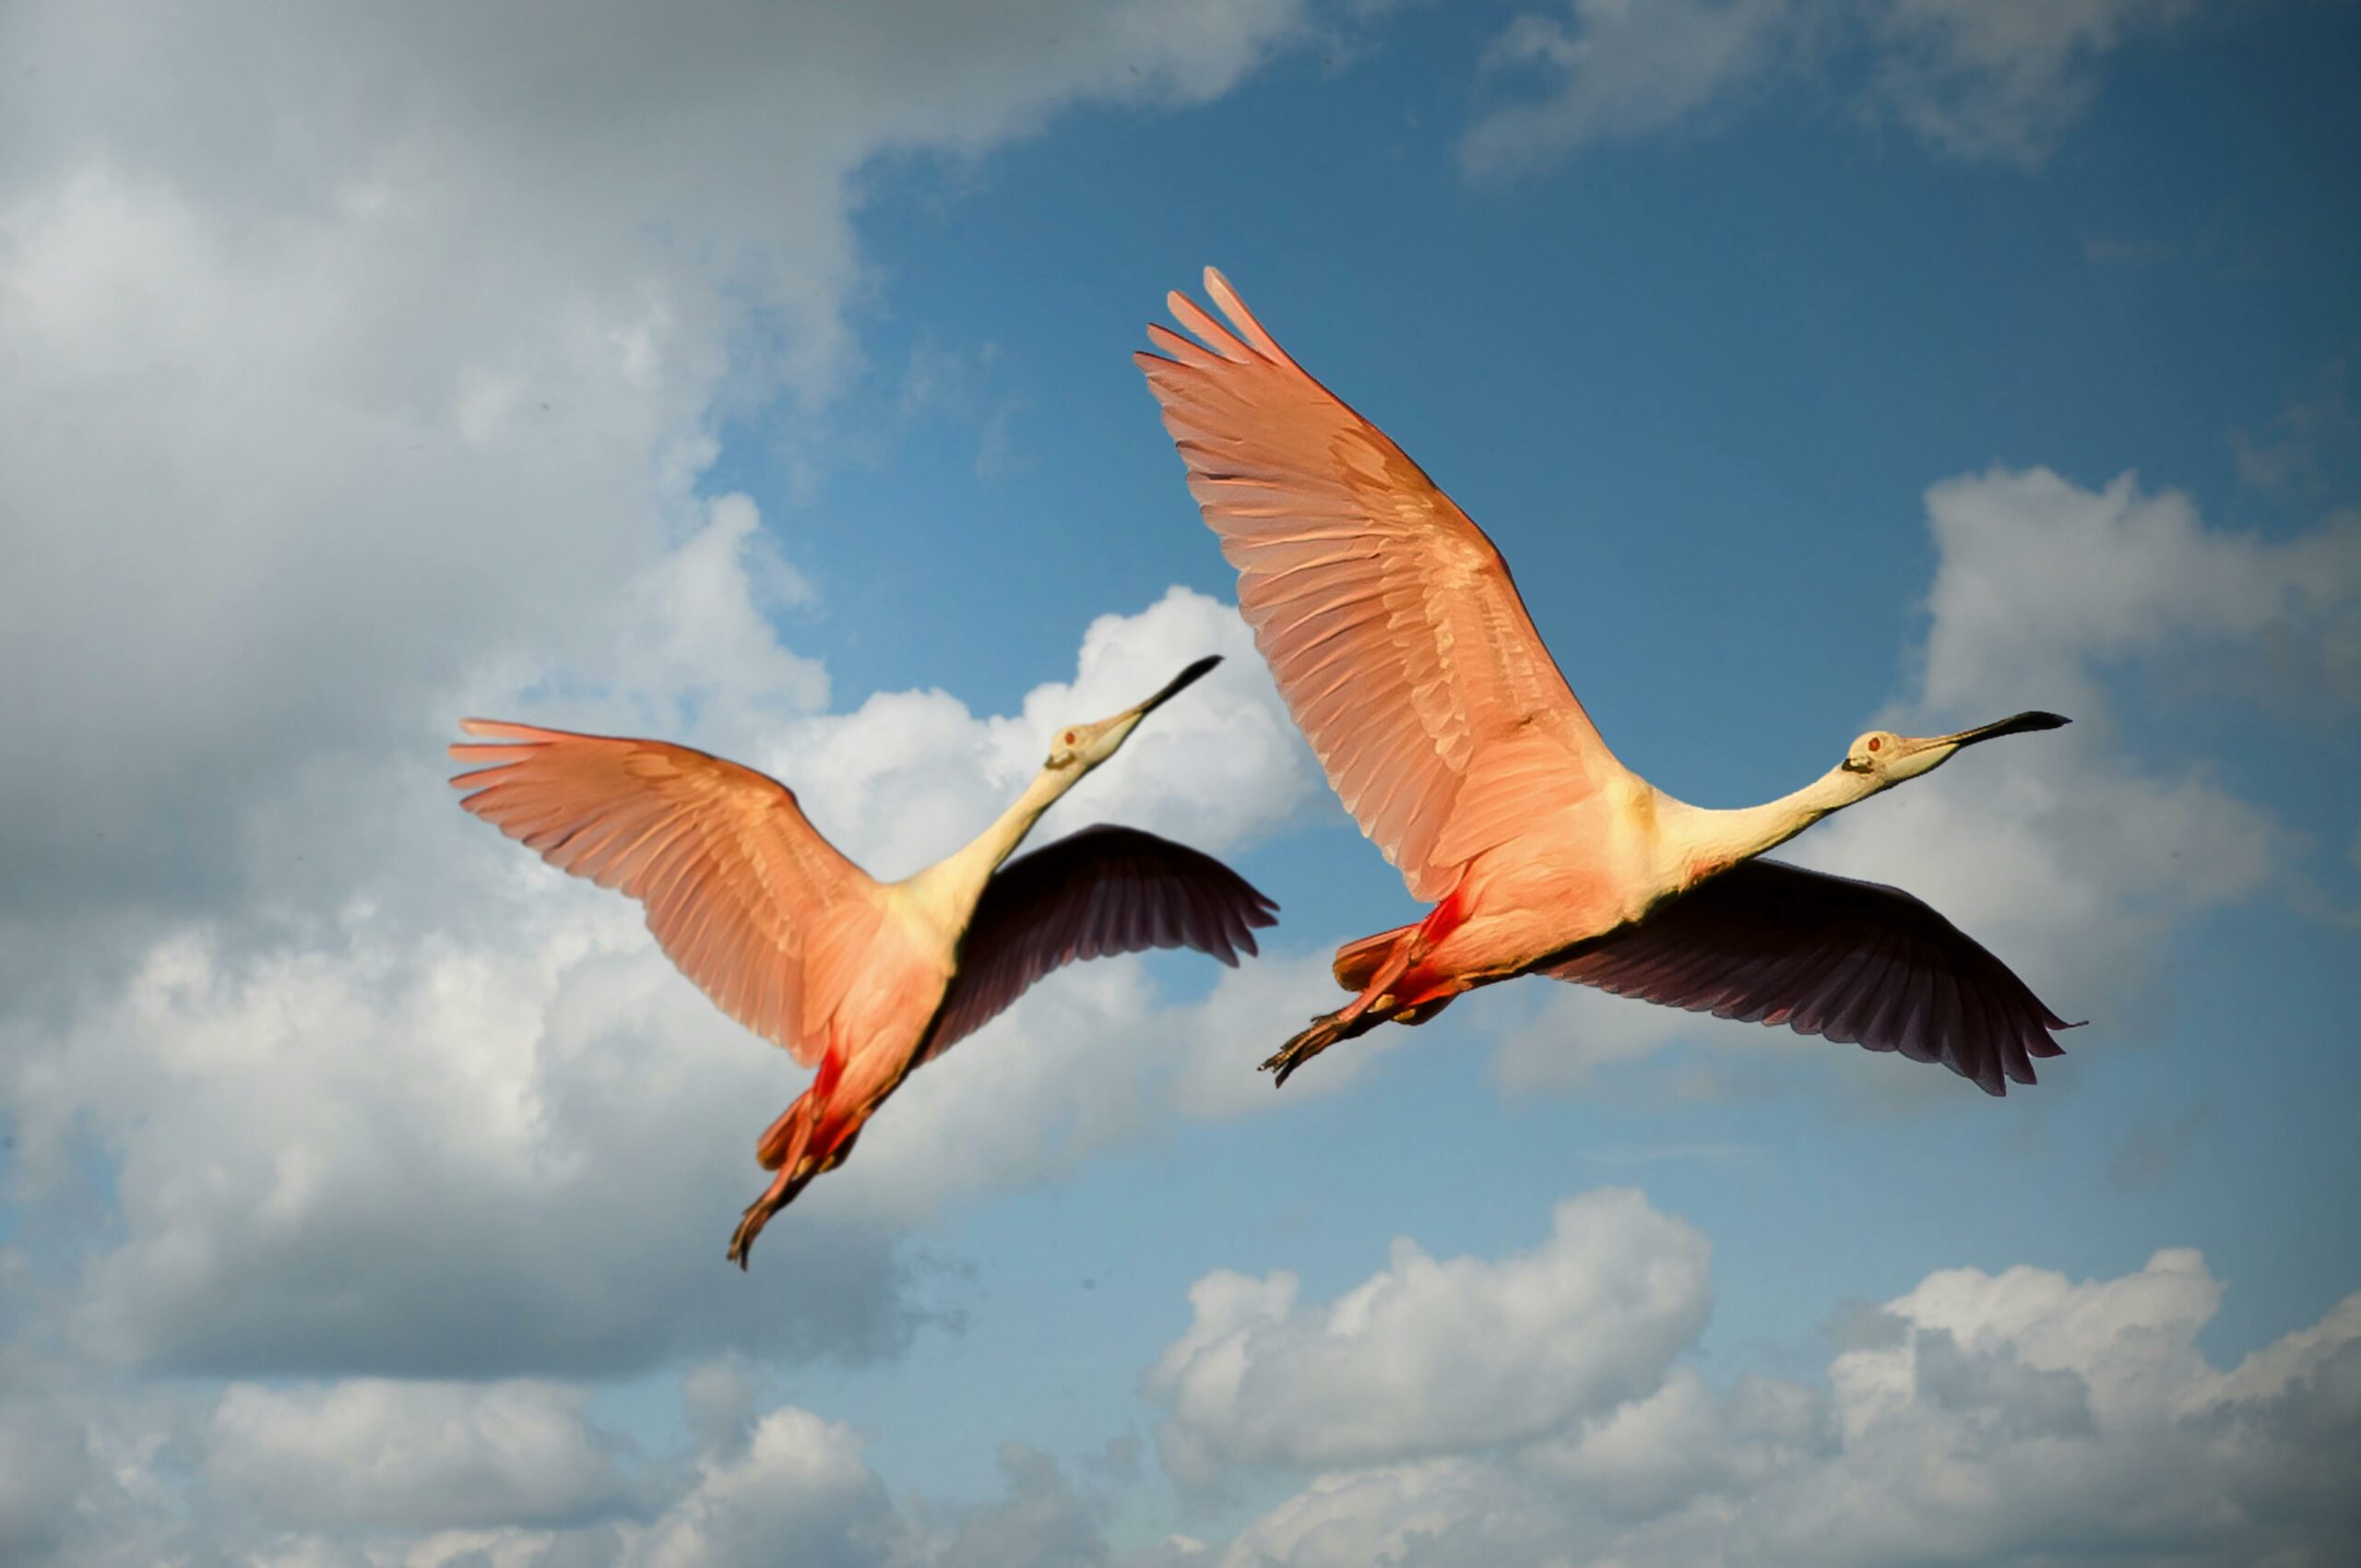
x,y
757,375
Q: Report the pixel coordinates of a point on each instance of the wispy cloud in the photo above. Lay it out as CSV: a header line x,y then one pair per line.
x,y
1977,79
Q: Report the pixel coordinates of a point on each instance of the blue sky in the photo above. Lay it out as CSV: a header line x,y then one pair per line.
x,y
764,382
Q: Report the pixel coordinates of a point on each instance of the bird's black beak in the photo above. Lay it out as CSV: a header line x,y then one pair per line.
x,y
1186,678
2017,724
1910,758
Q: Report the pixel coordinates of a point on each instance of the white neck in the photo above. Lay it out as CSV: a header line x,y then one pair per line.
x,y
1708,841
954,884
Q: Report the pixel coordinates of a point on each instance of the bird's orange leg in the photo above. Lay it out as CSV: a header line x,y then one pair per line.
x,y
1353,1019
1327,1030
780,1193
1428,994
802,1142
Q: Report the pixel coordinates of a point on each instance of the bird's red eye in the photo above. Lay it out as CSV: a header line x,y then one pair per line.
x,y
1066,738
1875,743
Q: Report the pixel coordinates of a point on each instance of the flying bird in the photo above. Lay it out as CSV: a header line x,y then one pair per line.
x,y
1408,660
866,980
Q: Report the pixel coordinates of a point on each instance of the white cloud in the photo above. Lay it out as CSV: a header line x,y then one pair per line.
x,y
359,352
2013,1418
909,776
1428,1357
2045,587
1623,69
800,1481
366,368
479,1088
415,1456
1974,79
1538,1408
1431,1512
1686,1440
2003,78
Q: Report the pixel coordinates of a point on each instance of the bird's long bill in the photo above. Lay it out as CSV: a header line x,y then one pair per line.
x,y
1110,733
1173,687
2016,724
1927,752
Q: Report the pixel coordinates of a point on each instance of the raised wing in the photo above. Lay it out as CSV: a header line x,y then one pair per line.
x,y
1102,891
1859,963
741,892
1388,618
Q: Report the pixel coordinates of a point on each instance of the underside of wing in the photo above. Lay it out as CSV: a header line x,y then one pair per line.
x,y
741,891
1856,962
1102,891
1388,618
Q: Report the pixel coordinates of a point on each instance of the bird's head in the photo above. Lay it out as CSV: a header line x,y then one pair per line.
x,y
1881,759
1078,748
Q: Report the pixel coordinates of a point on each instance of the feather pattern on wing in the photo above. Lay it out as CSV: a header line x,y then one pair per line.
x,y
764,914
1102,891
1856,962
1388,618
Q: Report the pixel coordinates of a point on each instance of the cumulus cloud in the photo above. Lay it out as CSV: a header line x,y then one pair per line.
x,y
358,351
2044,587
1428,1355
909,776
422,1456
471,1127
2012,1418
796,1488
1974,79
1539,1407
798,1480
367,368
331,422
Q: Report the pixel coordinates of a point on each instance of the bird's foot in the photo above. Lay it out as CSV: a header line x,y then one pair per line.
x,y
749,1225
1325,1032
777,1197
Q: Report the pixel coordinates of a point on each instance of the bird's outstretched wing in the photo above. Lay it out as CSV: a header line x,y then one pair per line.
x,y
743,894
1859,963
1387,616
1102,891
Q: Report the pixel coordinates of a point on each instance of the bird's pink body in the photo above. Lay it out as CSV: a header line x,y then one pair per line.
x,y
1573,871
1399,641
863,980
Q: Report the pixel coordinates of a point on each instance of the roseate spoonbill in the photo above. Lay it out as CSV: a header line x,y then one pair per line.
x,y
1408,660
868,980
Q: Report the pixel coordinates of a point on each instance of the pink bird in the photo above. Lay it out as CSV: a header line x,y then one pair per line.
x,y
867,980
1409,662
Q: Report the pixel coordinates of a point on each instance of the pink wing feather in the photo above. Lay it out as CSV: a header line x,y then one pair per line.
x,y
1102,891
1856,962
763,913
1388,618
